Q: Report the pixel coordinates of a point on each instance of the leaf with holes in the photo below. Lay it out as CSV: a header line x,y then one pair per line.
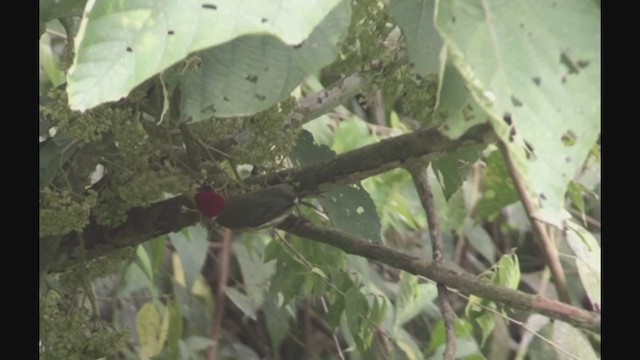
x,y
534,67
121,44
252,73
415,18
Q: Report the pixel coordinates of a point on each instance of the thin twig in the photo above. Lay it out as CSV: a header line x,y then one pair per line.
x,y
335,338
539,228
421,181
218,310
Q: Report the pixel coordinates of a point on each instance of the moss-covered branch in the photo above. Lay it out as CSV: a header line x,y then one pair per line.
x,y
166,216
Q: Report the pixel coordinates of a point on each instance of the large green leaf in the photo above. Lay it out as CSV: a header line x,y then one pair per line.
x,y
456,108
53,9
122,43
534,66
252,73
415,18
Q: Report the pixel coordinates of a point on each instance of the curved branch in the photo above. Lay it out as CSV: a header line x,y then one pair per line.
x,y
464,283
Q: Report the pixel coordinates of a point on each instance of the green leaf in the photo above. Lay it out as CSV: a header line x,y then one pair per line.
x,y
197,344
456,109
277,319
135,278
350,208
121,44
49,62
53,154
480,240
307,151
53,9
453,169
534,67
407,344
272,251
255,273
152,328
353,133
156,249
251,73
415,18
588,260
378,310
249,306
335,312
413,298
572,340
508,274
497,189
192,247
142,258
355,307
486,322
197,313
176,324
438,336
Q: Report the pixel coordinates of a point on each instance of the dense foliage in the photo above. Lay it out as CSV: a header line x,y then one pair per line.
x,y
495,105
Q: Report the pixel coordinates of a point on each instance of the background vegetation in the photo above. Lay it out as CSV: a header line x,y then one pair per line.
x,y
449,151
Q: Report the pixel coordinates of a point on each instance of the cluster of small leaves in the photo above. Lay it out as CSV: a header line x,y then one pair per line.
x,y
130,188
271,138
81,274
89,126
68,332
61,212
417,95
310,269
366,33
137,177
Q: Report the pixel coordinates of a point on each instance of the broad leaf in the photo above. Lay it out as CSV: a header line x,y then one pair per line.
x,y
534,67
121,44
415,18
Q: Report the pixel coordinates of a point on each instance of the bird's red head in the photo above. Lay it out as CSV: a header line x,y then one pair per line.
x,y
210,203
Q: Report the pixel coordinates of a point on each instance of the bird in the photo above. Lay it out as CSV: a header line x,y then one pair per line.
x,y
249,211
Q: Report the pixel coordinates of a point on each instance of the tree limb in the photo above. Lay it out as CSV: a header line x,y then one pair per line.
x,y
464,283
167,216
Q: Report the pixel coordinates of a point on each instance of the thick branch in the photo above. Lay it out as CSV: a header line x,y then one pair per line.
x,y
464,283
370,160
169,216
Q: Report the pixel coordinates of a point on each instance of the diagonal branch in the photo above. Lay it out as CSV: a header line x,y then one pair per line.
x,y
167,216
464,283
421,181
539,229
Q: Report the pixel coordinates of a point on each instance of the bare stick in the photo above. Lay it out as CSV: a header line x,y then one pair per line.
x,y
539,228
218,311
421,182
